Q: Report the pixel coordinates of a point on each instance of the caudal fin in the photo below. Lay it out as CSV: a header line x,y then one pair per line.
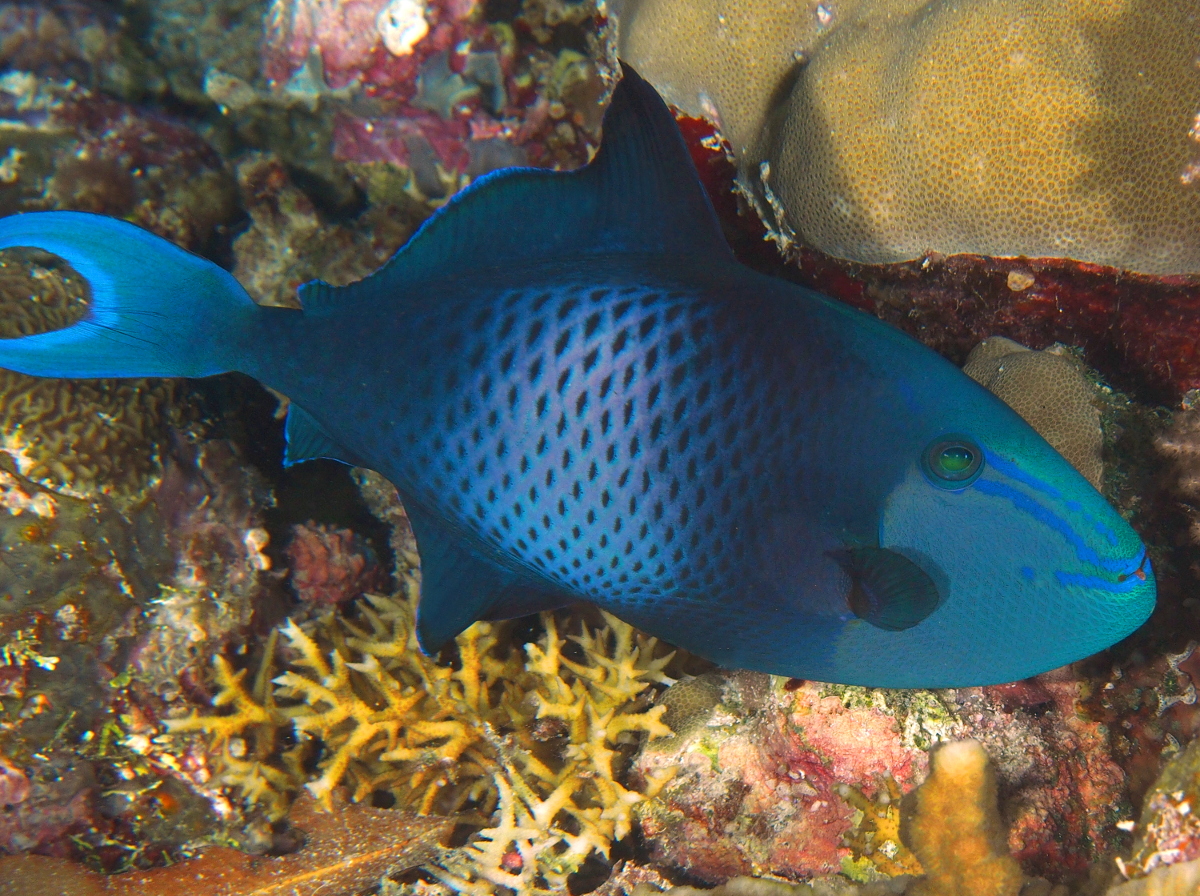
x,y
156,310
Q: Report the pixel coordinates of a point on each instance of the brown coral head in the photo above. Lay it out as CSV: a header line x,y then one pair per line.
x,y
76,437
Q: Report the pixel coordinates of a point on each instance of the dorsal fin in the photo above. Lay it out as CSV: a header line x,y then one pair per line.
x,y
640,194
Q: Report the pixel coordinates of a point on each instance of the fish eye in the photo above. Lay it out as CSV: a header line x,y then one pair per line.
x,y
952,461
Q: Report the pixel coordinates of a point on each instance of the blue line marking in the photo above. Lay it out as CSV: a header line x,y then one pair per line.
x,y
1007,468
1047,517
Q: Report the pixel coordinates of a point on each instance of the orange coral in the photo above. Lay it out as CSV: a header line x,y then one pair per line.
x,y
955,829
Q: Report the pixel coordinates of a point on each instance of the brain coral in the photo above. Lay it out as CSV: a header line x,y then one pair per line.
x,y
75,436
1051,392
1047,128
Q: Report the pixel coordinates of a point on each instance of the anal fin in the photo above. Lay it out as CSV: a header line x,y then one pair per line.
x,y
306,440
460,585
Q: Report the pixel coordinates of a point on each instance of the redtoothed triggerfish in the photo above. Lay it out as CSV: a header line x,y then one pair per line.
x,y
582,396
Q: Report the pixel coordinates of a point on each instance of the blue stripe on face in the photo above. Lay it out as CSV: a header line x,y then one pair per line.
x,y
1123,568
1007,468
1010,470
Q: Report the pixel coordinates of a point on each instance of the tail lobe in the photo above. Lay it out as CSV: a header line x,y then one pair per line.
x,y
155,310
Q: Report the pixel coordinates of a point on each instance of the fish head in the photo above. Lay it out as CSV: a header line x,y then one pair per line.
x,y
1030,567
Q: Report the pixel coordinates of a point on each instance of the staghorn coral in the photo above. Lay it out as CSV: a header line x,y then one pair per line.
x,y
953,826
531,739
1050,390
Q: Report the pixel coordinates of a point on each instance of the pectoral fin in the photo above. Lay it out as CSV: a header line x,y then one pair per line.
x,y
886,588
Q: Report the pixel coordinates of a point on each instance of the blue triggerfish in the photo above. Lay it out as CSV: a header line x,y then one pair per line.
x,y
582,396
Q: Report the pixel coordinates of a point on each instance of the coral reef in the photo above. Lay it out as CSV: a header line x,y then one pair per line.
x,y
759,784
528,742
444,89
1051,391
1089,107
797,779
1138,332
112,608
724,60
1180,444
1168,831
289,243
1171,880
955,828
875,839
759,886
189,38
109,611
67,40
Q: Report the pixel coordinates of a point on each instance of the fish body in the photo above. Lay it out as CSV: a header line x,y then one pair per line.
x,y
581,395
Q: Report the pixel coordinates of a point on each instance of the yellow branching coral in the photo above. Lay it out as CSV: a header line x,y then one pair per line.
x,y
526,741
876,836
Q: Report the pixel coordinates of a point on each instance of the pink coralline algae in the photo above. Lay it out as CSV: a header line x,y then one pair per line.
x,y
775,782
330,565
75,148
760,793
435,87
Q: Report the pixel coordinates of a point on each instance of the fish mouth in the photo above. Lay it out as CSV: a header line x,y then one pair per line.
x,y
1136,574
1140,568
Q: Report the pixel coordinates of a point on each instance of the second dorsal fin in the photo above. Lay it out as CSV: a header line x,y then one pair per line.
x,y
640,194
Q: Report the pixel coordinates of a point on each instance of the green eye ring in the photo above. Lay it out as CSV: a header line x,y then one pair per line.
x,y
952,461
